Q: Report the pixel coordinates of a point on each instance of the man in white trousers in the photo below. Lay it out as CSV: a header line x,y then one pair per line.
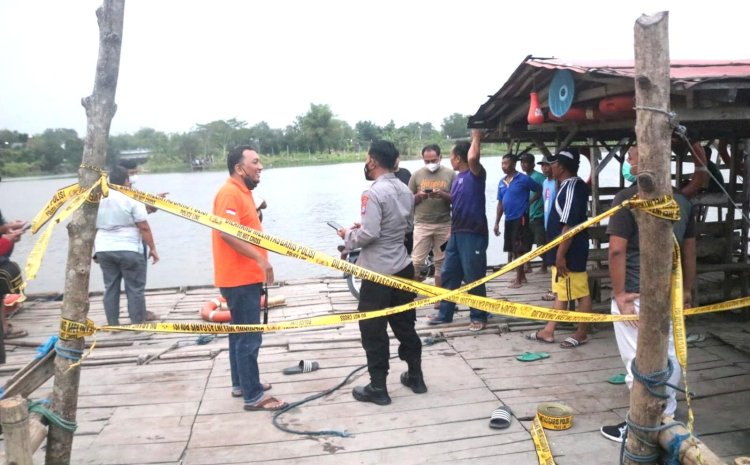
x,y
624,271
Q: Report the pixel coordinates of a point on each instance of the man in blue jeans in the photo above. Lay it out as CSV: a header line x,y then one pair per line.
x,y
240,269
466,252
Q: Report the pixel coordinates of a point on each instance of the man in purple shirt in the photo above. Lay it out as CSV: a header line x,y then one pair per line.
x,y
466,253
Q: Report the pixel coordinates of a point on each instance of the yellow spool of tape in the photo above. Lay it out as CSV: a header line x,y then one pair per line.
x,y
555,416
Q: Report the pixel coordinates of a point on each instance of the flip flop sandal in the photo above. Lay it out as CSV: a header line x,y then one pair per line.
x,y
263,405
572,343
475,326
303,366
532,356
617,379
549,296
500,418
535,337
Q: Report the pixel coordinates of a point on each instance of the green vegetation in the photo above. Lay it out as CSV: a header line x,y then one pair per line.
x,y
316,137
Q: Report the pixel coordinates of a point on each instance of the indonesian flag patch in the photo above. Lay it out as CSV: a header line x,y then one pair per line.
x,y
229,211
363,208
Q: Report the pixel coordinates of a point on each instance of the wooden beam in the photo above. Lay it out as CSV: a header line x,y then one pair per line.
x,y
712,114
100,109
612,153
623,87
653,132
14,416
30,377
692,450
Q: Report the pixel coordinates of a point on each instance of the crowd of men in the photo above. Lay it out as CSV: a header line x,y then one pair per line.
x,y
440,210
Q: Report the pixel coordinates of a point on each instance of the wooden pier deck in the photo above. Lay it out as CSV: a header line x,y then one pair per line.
x,y
178,409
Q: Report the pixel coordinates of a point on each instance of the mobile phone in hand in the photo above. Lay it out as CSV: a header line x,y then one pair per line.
x,y
428,191
334,225
26,226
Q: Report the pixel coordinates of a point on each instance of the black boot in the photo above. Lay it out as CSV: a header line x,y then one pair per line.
x,y
413,378
370,393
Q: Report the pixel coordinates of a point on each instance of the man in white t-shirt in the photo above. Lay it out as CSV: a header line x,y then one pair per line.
x,y
121,231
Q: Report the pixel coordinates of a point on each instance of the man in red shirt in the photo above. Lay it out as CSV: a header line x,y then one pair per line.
x,y
240,269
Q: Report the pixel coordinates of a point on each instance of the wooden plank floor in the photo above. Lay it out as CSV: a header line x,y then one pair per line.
x,y
178,409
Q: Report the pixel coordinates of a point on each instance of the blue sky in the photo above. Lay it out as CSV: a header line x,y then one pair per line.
x,y
185,62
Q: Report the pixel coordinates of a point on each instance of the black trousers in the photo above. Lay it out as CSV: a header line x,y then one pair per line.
x,y
374,296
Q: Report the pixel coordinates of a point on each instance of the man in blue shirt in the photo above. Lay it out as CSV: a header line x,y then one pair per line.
x,y
513,197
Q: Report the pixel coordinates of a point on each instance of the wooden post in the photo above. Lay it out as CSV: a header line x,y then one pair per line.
x,y
652,88
100,108
14,416
692,451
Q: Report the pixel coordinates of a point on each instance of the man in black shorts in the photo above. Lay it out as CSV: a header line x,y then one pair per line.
x,y
513,197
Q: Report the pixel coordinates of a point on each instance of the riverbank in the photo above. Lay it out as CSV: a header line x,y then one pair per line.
x,y
283,160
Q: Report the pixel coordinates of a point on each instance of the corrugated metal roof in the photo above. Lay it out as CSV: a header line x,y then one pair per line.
x,y
713,92
680,69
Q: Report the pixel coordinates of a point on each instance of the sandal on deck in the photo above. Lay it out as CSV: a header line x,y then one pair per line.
x,y
532,356
535,337
267,403
303,366
617,379
572,343
500,418
475,326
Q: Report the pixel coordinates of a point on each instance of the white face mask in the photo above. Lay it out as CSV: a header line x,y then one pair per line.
x,y
432,167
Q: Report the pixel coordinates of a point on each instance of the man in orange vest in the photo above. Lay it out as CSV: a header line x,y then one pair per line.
x,y
240,269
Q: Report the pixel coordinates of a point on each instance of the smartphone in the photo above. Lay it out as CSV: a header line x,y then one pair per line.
x,y
26,226
334,225
428,191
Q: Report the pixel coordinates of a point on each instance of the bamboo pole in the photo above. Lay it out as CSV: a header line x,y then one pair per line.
x,y
100,108
14,416
652,88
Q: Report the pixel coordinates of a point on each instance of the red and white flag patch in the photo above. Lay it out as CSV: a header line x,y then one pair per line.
x,y
363,208
229,211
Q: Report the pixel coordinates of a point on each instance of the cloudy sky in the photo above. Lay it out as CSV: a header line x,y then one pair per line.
x,y
186,62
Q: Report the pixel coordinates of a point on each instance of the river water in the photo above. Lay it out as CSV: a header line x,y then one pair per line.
x,y
300,201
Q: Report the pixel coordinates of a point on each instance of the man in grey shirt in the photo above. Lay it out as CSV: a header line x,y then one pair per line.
x,y
387,214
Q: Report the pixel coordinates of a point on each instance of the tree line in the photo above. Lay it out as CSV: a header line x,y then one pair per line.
x,y
316,133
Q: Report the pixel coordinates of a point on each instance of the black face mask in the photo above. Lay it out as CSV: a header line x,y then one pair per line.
x,y
368,173
248,182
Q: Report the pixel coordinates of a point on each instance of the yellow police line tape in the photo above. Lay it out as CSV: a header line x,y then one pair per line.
x,y
555,416
662,207
543,452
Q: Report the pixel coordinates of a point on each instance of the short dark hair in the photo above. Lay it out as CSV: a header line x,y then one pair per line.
x,y
511,155
384,152
527,158
118,175
433,147
128,164
462,150
235,155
